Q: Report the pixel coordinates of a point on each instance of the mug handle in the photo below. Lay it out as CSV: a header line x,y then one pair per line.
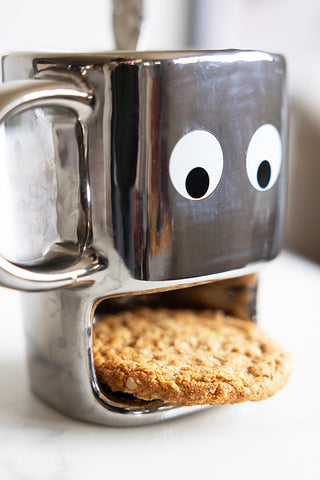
x,y
17,97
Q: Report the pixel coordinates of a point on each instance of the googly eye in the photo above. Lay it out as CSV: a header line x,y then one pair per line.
x,y
264,157
196,165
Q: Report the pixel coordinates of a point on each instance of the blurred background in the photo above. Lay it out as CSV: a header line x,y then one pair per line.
x,y
290,27
278,439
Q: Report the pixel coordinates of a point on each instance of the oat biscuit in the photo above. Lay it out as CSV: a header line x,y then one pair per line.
x,y
187,357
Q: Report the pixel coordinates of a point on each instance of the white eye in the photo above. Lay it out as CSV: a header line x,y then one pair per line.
x,y
196,165
264,157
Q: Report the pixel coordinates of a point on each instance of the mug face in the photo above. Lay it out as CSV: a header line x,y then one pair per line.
x,y
207,179
186,157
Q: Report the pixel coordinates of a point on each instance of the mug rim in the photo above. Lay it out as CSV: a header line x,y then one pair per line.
x,y
142,56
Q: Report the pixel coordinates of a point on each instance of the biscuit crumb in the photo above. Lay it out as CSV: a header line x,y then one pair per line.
x,y
131,384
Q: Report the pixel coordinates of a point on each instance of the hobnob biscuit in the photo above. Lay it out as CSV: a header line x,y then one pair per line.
x,y
187,357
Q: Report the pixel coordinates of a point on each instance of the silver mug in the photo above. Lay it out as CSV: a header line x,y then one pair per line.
x,y
132,173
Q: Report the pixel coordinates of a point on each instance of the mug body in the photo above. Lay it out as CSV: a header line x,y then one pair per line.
x,y
185,166
177,177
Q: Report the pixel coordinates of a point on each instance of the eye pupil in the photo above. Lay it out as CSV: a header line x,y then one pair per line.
x,y
197,182
264,174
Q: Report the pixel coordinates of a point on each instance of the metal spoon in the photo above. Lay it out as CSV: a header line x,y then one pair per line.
x,y
127,18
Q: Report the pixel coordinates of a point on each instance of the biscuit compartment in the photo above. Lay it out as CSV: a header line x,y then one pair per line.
x,y
235,296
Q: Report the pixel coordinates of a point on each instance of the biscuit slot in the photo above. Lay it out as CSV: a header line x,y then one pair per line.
x,y
235,296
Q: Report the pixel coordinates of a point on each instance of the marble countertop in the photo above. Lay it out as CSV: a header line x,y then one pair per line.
x,y
276,438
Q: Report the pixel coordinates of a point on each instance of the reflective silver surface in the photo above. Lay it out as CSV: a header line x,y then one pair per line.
x,y
94,206
16,97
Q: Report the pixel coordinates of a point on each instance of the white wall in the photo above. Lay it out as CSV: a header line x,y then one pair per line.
x,y
53,25
75,25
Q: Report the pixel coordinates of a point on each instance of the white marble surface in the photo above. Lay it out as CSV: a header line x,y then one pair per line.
x,y
277,438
